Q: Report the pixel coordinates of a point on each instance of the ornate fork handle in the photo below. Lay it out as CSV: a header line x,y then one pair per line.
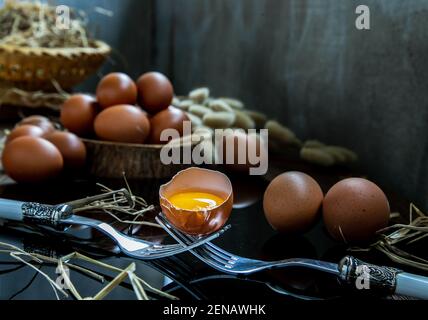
x,y
382,280
362,275
44,214
34,212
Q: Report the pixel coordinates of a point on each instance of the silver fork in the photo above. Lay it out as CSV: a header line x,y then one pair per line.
x,y
226,262
138,248
62,216
350,271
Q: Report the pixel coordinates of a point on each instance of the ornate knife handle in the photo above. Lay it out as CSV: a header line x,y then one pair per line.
x,y
361,275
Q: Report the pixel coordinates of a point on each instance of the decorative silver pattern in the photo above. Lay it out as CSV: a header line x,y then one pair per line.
x,y
45,251
44,214
381,279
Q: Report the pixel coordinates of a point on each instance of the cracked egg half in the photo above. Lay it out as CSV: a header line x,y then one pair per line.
x,y
197,201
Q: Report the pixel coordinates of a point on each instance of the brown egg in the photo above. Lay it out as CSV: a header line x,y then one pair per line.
x,y
292,201
171,118
115,89
25,130
78,114
242,151
72,149
39,121
32,160
123,123
354,209
155,92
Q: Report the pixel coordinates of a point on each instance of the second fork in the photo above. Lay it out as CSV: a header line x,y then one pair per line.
x,y
351,271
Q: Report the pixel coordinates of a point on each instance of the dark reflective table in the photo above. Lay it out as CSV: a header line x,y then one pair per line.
x,y
182,276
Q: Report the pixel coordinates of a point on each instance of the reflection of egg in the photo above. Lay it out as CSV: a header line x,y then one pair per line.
x,y
250,191
354,209
71,147
115,89
78,114
292,202
155,92
25,130
171,118
31,160
123,123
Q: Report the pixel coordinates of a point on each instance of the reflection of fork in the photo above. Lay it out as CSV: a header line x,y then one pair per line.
x,y
350,271
63,216
183,276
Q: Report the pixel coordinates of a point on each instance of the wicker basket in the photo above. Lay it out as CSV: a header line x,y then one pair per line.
x,y
14,97
35,68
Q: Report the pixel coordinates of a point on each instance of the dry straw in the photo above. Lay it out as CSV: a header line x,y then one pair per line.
x,y
124,207
32,260
38,45
33,24
395,239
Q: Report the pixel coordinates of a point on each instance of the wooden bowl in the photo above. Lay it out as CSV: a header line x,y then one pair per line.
x,y
137,161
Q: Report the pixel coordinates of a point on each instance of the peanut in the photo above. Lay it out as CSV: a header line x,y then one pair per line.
x,y
244,121
314,144
259,118
199,110
220,106
185,104
234,103
317,156
196,121
350,155
282,134
219,120
199,95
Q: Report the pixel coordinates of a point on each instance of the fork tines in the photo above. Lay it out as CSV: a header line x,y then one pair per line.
x,y
208,252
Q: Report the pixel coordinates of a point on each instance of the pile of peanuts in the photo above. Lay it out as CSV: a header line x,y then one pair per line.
x,y
208,113
316,152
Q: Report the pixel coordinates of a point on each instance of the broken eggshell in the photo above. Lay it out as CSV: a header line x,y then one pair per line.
x,y
201,222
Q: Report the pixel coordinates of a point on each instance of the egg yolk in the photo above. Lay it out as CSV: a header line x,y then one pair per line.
x,y
195,201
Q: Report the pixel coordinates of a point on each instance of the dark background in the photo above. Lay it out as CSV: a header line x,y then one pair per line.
x,y
302,62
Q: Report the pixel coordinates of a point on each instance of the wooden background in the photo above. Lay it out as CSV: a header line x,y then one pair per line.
x,y
301,61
